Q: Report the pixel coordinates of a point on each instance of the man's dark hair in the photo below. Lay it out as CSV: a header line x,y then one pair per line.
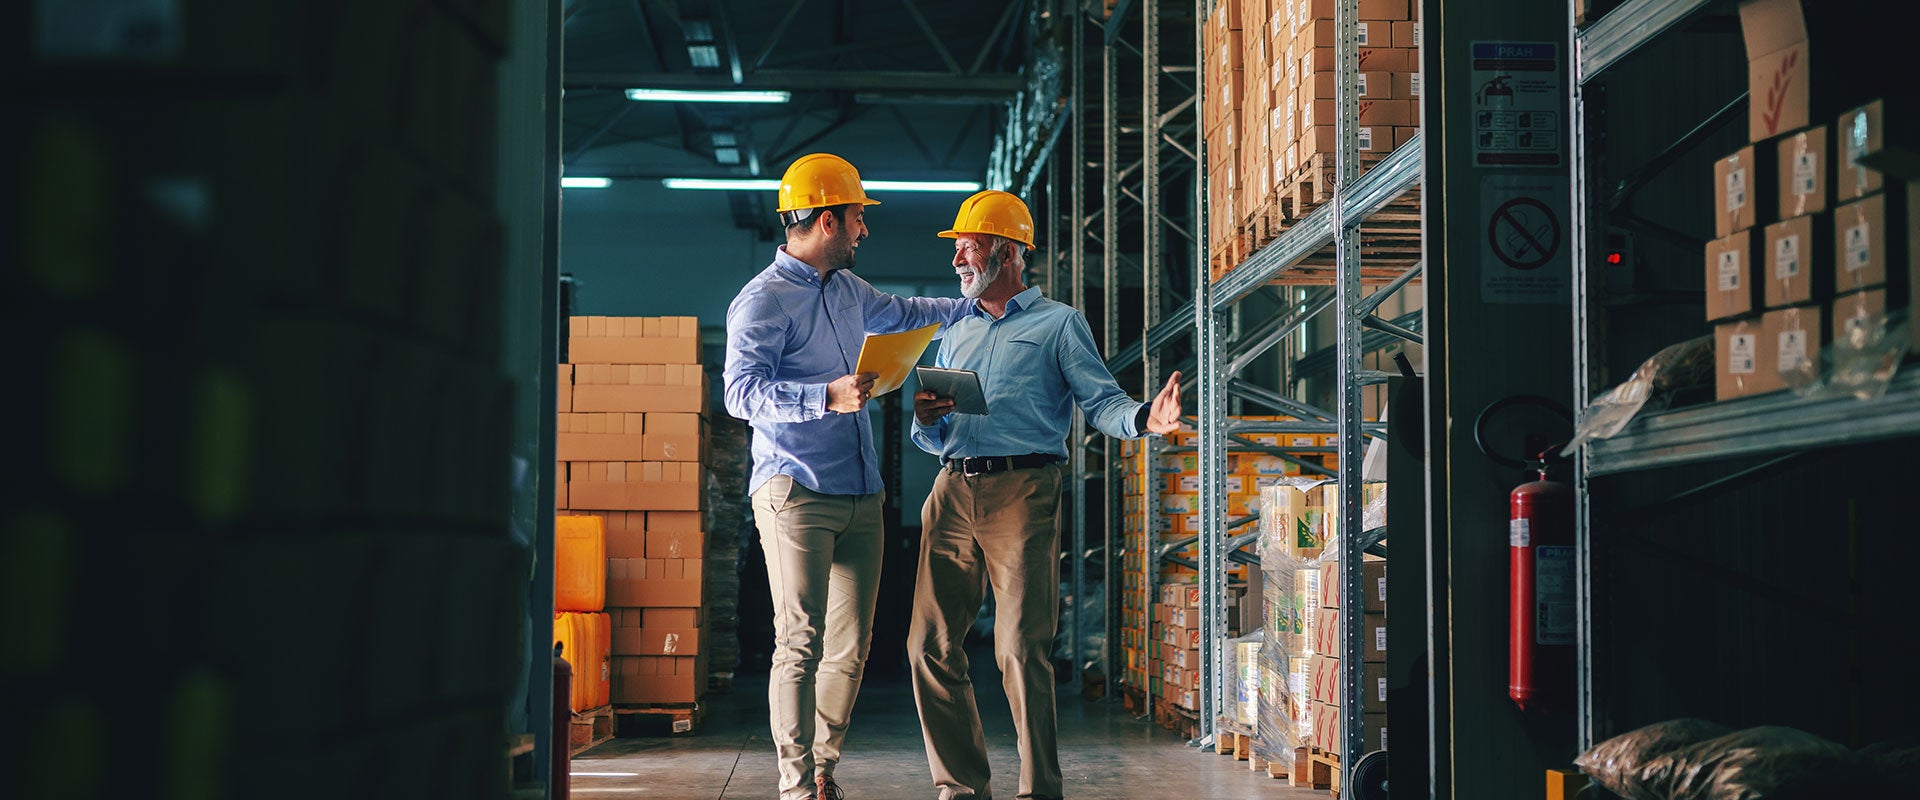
x,y
796,228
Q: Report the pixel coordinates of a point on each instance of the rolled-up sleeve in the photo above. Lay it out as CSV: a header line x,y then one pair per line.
x,y
756,331
1107,406
931,438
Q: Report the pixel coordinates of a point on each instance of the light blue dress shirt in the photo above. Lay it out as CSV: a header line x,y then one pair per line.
x,y
789,334
1032,363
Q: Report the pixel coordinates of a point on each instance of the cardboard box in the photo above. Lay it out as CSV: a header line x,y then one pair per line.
x,y
1323,680
564,377
1322,32
683,521
676,544
599,437
672,617
1327,730
1309,10
640,387
1777,70
1330,584
1401,136
560,499
1743,194
1874,141
1804,173
675,437
656,641
626,533
1731,288
633,340
1373,627
1857,312
1373,579
1790,340
1406,35
638,486
655,582
1866,246
1797,269
1406,86
1736,349
1373,686
659,679
1315,60
1327,634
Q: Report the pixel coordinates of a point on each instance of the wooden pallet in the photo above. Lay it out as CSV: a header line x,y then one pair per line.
x,y
589,728
1134,700
678,717
1314,768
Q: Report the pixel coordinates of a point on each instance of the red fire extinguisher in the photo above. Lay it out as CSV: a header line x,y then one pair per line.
x,y
1540,581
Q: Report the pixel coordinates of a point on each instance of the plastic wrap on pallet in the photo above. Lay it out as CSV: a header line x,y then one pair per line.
x,y
1242,708
1283,627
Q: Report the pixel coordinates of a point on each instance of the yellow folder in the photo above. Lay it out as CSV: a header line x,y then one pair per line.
x,y
893,355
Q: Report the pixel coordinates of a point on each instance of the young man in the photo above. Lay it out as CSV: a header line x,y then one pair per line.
x,y
793,337
992,518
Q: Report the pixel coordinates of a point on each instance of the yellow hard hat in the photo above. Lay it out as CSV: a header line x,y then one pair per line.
x,y
819,180
994,212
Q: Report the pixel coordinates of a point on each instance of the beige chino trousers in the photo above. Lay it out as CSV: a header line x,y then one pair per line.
x,y
998,531
823,567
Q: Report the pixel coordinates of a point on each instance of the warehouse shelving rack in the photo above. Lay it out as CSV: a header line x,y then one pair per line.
x,y
1210,319
1747,427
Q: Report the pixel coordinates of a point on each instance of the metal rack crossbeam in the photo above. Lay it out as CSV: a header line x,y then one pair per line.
x,y
1607,40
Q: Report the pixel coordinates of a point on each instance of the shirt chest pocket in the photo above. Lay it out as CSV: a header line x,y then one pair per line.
x,y
1023,346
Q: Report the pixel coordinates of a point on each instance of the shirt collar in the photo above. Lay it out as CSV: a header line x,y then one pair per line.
x,y
1015,304
794,266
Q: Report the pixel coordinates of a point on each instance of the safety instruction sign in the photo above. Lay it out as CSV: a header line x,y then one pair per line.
x,y
1524,235
1519,113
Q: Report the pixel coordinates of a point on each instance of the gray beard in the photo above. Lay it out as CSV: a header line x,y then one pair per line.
x,y
982,280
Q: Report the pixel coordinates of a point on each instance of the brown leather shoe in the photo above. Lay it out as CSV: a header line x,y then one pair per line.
x,y
825,789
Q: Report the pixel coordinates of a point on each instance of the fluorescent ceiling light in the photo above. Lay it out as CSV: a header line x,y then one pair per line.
x,y
922,186
749,185
686,96
585,183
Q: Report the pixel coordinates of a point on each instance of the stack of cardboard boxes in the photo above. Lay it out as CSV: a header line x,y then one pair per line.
x,y
1812,236
1158,630
1325,678
1270,109
632,443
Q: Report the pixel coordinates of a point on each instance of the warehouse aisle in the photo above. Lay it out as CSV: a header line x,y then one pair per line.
x,y
1107,755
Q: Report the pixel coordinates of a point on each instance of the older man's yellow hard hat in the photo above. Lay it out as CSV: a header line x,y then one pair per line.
x,y
995,212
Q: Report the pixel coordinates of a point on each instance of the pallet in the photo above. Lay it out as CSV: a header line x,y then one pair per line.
x,y
678,717
1312,770
1134,700
589,728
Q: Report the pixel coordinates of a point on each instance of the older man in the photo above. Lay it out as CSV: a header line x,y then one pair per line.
x,y
793,337
992,520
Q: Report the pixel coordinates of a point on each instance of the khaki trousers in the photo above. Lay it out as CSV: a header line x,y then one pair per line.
x,y
823,567
999,531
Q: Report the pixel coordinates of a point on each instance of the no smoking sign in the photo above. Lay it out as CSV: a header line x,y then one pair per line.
x,y
1524,251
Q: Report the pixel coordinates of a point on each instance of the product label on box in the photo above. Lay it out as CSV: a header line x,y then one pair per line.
x,y
1416,41
1415,82
1383,687
1803,173
1383,589
1553,595
1729,270
1859,252
1366,137
1380,638
1363,43
1736,189
1740,353
1786,257
1363,78
1793,350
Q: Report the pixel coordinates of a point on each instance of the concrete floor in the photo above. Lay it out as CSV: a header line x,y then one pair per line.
x,y
1105,753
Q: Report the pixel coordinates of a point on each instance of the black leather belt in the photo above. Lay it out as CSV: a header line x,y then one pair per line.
x,y
987,465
